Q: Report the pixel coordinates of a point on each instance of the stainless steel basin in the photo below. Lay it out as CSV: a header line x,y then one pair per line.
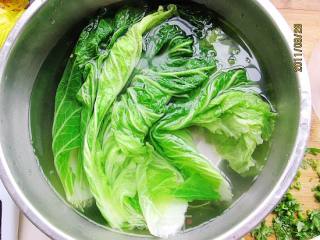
x,y
38,31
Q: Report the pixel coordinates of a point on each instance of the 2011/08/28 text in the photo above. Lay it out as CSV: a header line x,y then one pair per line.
x,y
297,48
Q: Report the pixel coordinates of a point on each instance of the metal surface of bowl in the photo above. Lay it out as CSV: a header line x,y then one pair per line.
x,y
39,29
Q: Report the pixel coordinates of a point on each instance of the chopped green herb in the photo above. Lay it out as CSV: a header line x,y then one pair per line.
x,y
313,151
262,232
314,164
296,183
316,191
290,223
305,164
288,206
280,230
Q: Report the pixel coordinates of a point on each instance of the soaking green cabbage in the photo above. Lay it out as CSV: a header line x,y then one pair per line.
x,y
226,105
66,143
136,83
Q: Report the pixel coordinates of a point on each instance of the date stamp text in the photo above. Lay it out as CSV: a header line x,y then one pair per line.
x,y
297,48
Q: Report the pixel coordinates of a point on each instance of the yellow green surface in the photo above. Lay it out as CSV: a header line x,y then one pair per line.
x,y
10,11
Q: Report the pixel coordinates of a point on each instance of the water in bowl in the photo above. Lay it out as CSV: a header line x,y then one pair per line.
x,y
231,52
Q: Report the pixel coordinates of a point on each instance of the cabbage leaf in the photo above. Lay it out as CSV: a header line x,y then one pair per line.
x,y
133,87
144,103
72,110
66,127
179,71
238,121
228,106
157,181
114,193
203,180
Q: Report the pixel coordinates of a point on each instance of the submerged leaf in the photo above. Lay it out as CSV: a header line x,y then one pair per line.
x,y
157,181
168,138
136,111
129,94
66,127
239,120
202,180
145,100
114,199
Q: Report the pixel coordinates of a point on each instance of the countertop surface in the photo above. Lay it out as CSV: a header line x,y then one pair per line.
x,y
307,13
